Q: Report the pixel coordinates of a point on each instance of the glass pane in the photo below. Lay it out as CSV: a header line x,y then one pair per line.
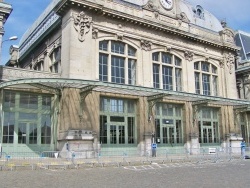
x,y
177,61
130,105
117,119
197,82
166,58
131,130
131,72
28,101
117,69
117,47
214,69
103,45
116,105
104,105
196,66
9,99
205,66
178,80
46,103
155,56
158,128
131,51
165,135
8,127
121,135
22,133
178,131
28,116
206,84
156,76
46,129
113,134
32,133
103,67
103,129
167,78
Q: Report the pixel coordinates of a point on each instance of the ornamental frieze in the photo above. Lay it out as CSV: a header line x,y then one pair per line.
x,y
82,24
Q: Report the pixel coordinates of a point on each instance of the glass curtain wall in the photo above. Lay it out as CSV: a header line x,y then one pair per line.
x,y
117,122
26,120
169,124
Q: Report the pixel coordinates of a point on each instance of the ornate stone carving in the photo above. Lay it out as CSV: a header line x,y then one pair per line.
x,y
119,36
182,17
95,33
82,24
150,5
13,54
146,45
229,59
188,55
156,14
227,35
221,63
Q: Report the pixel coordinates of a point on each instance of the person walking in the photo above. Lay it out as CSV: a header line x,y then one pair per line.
x,y
243,149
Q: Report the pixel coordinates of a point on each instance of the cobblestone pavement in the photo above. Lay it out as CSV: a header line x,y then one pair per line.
x,y
173,175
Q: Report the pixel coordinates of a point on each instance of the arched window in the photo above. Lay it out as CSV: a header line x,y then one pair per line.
x,y
206,78
117,62
199,12
167,71
39,66
55,60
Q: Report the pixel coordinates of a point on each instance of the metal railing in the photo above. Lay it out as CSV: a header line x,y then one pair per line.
x,y
90,158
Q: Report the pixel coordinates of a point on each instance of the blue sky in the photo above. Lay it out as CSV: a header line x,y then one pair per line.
x,y
25,12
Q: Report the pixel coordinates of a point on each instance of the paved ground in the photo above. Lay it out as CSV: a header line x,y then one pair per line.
x,y
172,175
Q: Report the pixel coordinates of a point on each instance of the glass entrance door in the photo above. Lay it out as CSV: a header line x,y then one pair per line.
x,y
117,134
27,133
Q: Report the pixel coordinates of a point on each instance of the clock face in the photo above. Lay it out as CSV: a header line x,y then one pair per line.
x,y
168,4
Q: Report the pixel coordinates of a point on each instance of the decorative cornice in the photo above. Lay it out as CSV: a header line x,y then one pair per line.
x,y
102,8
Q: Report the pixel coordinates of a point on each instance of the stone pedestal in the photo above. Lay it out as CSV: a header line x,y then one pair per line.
x,y
76,143
233,142
148,142
194,143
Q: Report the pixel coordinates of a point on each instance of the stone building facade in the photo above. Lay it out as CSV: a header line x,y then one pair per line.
x,y
122,74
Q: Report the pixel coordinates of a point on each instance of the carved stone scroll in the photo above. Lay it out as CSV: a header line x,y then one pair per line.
x,y
146,45
188,55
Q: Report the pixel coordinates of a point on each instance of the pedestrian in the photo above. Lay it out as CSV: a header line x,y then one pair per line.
x,y
243,148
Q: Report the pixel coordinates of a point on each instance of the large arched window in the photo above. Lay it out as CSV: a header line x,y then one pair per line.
x,y
167,71
206,78
117,62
